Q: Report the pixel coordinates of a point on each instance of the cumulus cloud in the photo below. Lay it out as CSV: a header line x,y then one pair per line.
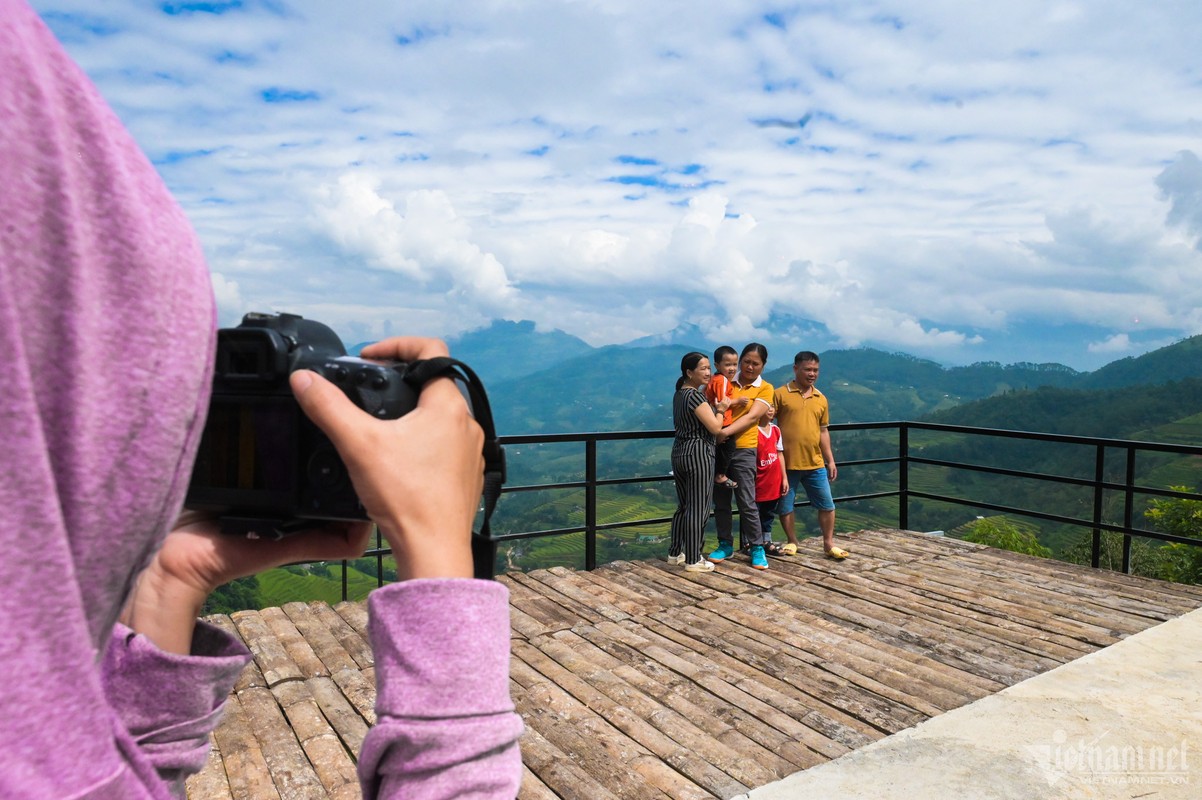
x,y
424,240
1119,343
226,293
1181,184
966,183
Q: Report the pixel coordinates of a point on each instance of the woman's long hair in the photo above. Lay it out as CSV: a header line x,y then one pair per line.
x,y
687,365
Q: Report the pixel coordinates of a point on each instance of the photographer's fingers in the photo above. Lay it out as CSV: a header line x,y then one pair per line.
x,y
325,404
412,348
419,476
444,474
331,542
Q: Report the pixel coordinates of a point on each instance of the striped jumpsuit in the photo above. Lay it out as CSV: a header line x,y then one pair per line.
x,y
693,470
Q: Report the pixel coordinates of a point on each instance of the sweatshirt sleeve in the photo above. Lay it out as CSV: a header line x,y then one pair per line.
x,y
168,703
446,725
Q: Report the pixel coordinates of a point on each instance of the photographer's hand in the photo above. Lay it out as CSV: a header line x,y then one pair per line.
x,y
420,476
196,558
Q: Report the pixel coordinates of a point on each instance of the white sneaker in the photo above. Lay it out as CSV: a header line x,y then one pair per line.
x,y
676,559
700,566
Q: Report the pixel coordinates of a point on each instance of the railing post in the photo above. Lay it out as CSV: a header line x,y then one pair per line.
x,y
1099,475
1128,509
903,476
379,557
590,504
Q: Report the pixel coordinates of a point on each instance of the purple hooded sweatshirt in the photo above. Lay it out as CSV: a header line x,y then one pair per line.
x,y
106,338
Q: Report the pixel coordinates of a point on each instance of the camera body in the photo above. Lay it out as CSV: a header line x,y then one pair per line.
x,y
262,466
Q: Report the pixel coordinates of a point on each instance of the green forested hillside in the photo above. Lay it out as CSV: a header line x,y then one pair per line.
x,y
1111,413
610,389
506,350
1173,363
620,388
869,385
1170,413
624,388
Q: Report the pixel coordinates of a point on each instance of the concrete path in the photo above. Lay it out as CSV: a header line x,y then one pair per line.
x,y
1124,722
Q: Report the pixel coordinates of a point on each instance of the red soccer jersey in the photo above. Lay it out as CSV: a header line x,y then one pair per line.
x,y
769,473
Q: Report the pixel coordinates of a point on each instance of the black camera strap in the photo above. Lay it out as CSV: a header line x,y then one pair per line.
x,y
417,374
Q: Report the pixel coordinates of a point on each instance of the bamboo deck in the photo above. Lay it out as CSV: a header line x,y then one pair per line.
x,y
639,680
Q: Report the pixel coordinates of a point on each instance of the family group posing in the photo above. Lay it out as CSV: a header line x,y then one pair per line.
x,y
727,445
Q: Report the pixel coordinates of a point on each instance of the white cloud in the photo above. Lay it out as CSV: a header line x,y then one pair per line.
x,y
1113,345
968,178
226,294
1181,185
424,240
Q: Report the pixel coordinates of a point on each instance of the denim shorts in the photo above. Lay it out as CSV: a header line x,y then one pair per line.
x,y
817,487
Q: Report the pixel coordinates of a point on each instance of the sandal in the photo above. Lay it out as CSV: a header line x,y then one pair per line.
x,y
773,549
789,549
728,483
837,553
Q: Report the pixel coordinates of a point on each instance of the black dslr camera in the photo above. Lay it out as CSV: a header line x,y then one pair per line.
x,y
263,467
266,471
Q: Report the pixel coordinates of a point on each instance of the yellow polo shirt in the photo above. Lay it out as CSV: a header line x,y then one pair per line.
x,y
801,420
759,390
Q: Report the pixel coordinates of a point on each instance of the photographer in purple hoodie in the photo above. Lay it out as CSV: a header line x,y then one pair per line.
x,y
111,684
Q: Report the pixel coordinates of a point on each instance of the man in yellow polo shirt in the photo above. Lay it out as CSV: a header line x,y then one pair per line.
x,y
803,414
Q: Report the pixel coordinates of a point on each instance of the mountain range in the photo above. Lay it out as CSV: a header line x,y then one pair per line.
x,y
552,382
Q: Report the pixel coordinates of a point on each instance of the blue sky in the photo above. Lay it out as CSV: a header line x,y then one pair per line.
x,y
960,181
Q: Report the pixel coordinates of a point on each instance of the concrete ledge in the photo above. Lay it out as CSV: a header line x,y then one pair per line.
x,y
1124,722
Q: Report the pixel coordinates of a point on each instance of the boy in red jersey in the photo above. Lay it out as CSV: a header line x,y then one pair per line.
x,y
771,483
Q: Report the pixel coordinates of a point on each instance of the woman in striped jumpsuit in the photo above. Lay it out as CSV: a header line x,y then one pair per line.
x,y
696,423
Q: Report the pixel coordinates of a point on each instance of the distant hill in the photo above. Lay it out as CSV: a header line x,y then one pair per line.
x,y
867,385
550,381
612,388
624,388
507,350
682,335
1168,412
1172,363
1136,412
1161,400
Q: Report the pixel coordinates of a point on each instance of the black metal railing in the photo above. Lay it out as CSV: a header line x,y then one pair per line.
x,y
1104,455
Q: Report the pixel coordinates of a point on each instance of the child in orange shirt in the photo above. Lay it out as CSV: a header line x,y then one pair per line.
x,y
726,366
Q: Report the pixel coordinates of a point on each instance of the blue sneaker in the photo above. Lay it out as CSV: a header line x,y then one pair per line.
x,y
758,559
723,551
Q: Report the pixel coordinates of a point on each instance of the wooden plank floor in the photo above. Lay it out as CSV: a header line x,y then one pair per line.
x,y
639,680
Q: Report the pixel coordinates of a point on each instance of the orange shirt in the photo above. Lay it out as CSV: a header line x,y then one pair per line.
x,y
719,388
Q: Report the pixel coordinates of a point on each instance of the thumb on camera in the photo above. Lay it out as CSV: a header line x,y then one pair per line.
x,y
324,403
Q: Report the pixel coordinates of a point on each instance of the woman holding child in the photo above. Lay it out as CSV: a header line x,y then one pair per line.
x,y
742,465
696,425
